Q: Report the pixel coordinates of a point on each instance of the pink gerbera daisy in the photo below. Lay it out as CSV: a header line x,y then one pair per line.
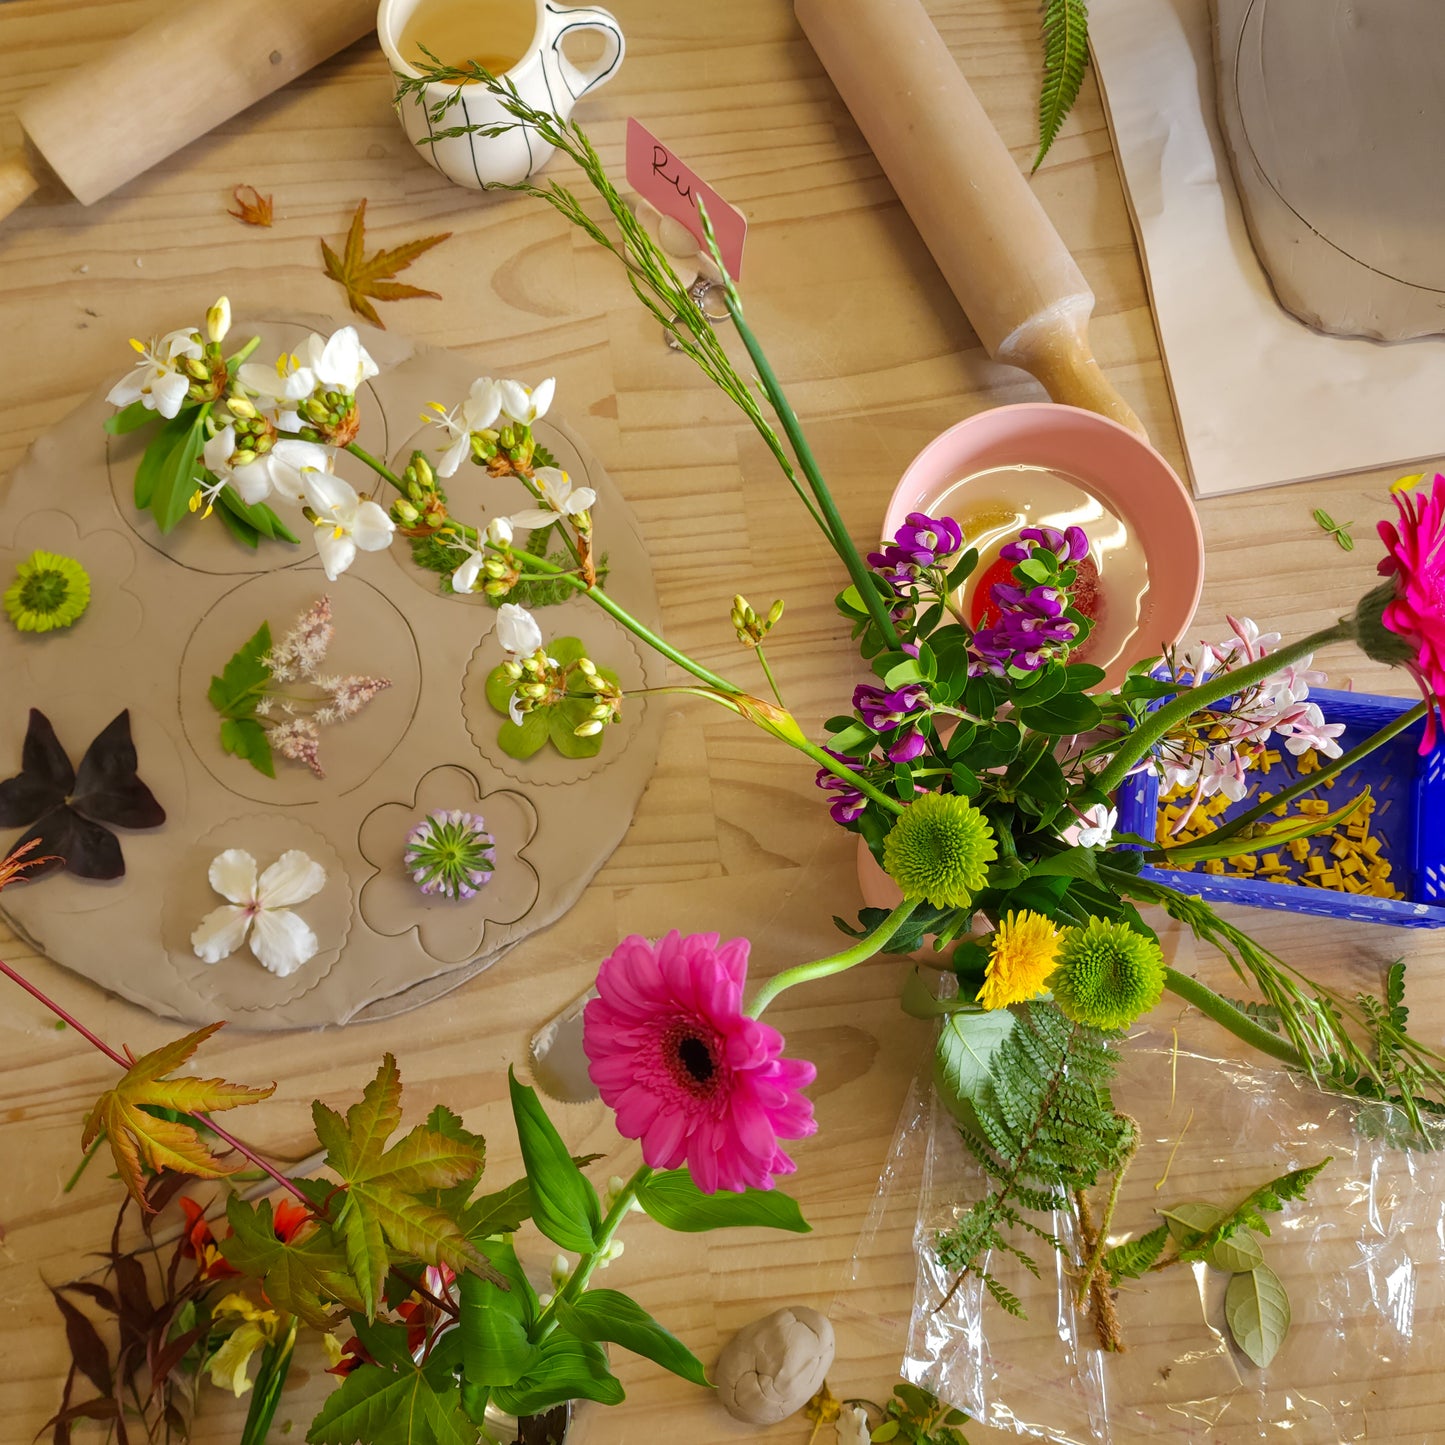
x,y
686,1071
1416,612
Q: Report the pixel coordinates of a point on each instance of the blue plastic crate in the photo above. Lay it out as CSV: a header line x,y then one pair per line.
x,y
1409,817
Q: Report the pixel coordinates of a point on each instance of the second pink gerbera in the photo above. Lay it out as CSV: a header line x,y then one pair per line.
x,y
1415,561
687,1072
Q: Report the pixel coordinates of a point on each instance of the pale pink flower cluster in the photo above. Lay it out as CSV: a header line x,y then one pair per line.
x,y
1277,707
302,651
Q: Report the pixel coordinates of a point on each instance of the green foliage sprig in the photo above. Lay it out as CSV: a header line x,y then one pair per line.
x,y
236,693
1066,57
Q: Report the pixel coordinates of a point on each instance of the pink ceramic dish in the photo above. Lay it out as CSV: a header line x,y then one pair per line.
x,y
1118,467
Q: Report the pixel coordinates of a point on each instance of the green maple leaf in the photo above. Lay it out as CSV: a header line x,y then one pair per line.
x,y
390,1194
392,1406
306,1276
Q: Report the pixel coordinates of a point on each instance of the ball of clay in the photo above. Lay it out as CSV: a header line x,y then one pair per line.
x,y
774,1366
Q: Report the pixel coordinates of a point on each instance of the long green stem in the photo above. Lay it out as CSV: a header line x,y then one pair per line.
x,y
1137,744
768,673
379,467
1227,1016
865,948
577,1281
836,532
1308,782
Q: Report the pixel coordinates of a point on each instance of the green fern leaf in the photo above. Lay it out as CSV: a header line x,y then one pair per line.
x,y
1066,56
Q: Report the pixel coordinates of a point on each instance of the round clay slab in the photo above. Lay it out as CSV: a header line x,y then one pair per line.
x,y
166,615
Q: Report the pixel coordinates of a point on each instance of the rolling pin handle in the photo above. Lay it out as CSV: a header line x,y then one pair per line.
x,y
1055,348
18,182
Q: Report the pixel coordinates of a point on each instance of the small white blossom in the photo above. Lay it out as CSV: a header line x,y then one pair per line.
x,y
280,940
522,404
499,531
344,522
252,481
517,630
561,497
1309,730
157,381
464,579
1094,829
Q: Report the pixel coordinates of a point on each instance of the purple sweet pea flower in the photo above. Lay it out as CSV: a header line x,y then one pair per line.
x,y
895,567
924,539
909,745
848,806
882,710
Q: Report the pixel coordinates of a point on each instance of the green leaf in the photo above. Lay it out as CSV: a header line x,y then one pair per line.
x,y
564,1368
1081,676
246,738
238,689
967,1044
564,1204
176,484
259,517
495,1323
154,458
675,1202
1069,712
606,1315
390,1193
1249,1213
1235,1255
1257,1311
909,670
501,1213
522,740
499,688
565,650
130,418
377,1406
1133,1258
243,532
309,1276
563,719
1071,863
1190,1221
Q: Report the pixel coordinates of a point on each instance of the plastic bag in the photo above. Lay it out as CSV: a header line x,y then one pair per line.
x,y
1361,1258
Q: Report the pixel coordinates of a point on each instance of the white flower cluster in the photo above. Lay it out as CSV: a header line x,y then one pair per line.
x,y
1278,707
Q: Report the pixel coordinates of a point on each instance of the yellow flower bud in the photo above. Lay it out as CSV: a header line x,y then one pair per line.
x,y
218,320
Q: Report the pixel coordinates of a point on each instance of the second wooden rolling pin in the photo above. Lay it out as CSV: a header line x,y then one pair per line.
x,y
998,250
192,67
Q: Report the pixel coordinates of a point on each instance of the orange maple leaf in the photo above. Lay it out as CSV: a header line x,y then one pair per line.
x,y
134,1133
366,276
258,210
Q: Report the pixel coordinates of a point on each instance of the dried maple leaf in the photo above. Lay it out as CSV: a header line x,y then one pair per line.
x,y
366,276
122,1113
258,210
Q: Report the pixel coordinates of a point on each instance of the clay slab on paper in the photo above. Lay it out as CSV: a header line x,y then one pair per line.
x,y
1333,112
168,611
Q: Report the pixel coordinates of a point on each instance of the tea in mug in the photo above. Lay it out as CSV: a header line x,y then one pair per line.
x,y
493,33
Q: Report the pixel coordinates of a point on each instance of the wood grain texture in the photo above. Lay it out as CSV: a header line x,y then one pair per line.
x,y
731,836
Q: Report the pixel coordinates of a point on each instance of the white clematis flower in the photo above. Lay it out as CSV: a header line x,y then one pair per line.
x,y
523,404
517,630
464,579
260,908
479,411
344,522
1094,829
340,363
561,497
287,464
157,381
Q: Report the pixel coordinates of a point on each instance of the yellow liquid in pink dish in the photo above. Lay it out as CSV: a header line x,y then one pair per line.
x,y
992,507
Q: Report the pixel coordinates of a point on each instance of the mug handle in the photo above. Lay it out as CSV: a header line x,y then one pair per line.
x,y
562,20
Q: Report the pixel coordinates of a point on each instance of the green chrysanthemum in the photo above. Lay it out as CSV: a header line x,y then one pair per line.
x,y
939,850
1107,975
49,591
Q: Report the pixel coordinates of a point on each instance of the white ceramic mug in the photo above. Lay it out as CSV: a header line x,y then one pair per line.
x,y
543,75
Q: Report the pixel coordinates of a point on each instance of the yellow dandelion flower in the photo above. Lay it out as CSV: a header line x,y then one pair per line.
x,y
1024,953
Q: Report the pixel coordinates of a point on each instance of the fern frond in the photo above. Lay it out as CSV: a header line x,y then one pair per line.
x,y
1044,1127
1066,57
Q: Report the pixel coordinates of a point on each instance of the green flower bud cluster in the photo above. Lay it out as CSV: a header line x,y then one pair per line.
x,y
537,680
255,434
330,417
608,705
750,628
422,507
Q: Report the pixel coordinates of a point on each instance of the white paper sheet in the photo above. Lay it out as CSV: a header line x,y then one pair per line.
x,y
1261,398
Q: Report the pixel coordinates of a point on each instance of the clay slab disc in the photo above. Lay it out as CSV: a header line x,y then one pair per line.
x,y
167,612
1333,112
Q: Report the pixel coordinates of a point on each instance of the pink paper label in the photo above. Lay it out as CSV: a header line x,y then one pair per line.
x,y
656,174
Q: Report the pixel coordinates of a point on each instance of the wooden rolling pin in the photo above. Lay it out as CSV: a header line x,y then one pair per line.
x,y
997,249
192,67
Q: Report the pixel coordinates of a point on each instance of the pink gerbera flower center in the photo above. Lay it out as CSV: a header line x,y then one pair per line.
x,y
693,1059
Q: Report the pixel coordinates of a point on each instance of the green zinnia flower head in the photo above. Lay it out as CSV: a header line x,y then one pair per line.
x,y
1107,975
49,591
939,850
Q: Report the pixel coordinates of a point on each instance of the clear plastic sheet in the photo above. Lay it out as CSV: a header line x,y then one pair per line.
x,y
1363,1260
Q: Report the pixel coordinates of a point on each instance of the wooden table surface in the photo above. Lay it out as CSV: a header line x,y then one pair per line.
x,y
731,835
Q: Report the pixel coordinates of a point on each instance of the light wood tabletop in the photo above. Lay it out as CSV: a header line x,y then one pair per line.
x,y
731,835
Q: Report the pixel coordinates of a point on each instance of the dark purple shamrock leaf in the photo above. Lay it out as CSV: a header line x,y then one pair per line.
x,y
106,786
45,776
66,809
